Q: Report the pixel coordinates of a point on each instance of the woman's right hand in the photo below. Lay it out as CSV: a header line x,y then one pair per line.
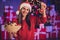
x,y
12,29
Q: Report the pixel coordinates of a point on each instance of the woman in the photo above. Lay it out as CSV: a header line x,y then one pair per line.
x,y
27,22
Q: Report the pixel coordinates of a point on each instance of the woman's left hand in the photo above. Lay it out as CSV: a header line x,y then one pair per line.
x,y
43,9
43,6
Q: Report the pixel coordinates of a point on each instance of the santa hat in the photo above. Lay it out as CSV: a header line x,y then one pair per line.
x,y
25,4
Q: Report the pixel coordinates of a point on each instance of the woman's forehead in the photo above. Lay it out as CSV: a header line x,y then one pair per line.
x,y
25,7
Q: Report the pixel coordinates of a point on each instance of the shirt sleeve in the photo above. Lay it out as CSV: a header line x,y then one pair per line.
x,y
42,20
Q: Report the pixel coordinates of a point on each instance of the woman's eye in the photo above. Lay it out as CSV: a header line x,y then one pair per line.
x,y
23,8
27,9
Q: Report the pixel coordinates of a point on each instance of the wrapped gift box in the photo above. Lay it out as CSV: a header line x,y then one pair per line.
x,y
59,33
1,20
9,13
58,24
57,17
42,36
43,30
53,35
5,35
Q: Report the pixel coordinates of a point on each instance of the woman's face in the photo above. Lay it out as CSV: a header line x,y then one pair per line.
x,y
25,11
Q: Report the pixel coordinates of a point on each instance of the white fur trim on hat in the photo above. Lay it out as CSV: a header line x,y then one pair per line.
x,y
25,5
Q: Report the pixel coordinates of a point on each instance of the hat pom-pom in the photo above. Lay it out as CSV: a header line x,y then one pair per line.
x,y
17,12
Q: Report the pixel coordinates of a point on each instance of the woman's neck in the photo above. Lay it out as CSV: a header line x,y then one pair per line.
x,y
23,17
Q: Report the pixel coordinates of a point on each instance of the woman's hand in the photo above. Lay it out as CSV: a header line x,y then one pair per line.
x,y
12,34
43,6
12,29
43,9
